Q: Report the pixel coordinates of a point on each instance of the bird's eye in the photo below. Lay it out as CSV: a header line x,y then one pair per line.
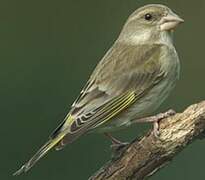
x,y
148,17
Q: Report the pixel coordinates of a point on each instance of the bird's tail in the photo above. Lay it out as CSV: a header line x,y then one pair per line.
x,y
41,152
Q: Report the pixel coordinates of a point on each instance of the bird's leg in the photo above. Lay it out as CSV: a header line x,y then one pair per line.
x,y
155,120
116,144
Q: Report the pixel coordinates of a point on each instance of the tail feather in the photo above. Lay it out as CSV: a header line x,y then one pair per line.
x,y
40,153
54,141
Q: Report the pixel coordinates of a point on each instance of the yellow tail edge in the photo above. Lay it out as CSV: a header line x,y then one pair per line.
x,y
40,153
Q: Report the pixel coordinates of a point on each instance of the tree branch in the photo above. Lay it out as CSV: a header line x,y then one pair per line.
x,y
142,158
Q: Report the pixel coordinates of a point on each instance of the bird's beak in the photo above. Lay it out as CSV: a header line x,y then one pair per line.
x,y
170,22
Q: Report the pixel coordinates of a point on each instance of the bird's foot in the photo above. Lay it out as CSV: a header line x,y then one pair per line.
x,y
118,149
117,145
156,119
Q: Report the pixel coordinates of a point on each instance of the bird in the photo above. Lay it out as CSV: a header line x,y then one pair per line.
x,y
129,83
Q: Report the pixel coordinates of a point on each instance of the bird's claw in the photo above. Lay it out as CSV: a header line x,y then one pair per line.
x,y
159,117
118,148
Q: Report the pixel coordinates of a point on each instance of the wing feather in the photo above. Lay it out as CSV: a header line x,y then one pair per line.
x,y
123,76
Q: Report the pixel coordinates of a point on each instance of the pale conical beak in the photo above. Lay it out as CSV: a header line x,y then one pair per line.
x,y
170,22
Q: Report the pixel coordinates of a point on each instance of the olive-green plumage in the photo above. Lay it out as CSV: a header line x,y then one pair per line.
x,y
133,78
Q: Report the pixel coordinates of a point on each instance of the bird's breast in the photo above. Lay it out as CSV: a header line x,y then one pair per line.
x,y
154,98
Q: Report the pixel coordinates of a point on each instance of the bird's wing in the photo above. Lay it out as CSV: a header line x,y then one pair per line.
x,y
123,76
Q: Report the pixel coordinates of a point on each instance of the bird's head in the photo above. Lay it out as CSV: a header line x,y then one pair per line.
x,y
149,21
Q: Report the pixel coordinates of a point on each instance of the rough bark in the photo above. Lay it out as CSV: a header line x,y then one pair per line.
x,y
142,158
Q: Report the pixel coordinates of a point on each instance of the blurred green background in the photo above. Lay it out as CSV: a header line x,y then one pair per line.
x,y
47,51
